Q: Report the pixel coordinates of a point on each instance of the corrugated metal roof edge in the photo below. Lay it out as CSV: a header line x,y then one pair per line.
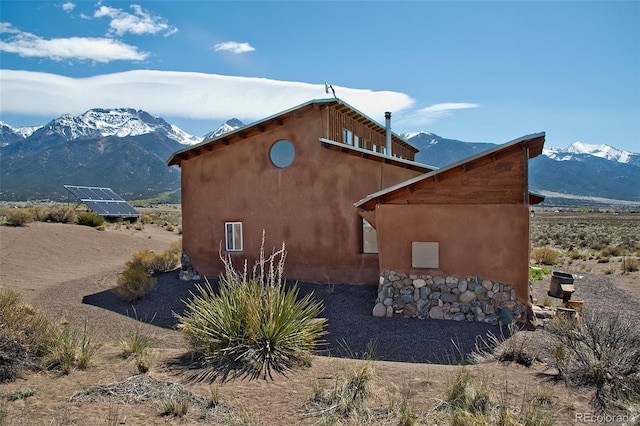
x,y
276,115
449,167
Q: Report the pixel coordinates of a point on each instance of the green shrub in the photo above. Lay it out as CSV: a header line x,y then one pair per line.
x,y
163,262
134,282
155,263
39,213
545,256
71,349
253,326
538,273
18,217
62,214
603,351
90,219
136,345
137,279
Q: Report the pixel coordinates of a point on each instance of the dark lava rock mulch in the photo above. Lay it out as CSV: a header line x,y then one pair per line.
x,y
353,332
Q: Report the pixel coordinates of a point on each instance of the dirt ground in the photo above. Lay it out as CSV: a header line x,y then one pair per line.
x,y
54,266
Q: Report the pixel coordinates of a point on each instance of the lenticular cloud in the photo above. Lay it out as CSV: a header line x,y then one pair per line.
x,y
178,94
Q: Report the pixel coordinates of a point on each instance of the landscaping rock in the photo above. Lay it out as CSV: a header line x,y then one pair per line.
x,y
380,310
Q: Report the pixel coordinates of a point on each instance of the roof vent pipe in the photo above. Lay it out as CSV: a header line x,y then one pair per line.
x,y
387,117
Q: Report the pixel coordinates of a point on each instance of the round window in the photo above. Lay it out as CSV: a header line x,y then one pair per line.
x,y
282,153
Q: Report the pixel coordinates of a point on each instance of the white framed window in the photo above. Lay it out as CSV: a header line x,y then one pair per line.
x,y
233,232
347,136
369,238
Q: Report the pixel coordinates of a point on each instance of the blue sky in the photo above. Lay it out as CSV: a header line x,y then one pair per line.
x,y
486,71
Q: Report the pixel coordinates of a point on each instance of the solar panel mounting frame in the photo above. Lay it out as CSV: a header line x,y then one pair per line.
x,y
103,201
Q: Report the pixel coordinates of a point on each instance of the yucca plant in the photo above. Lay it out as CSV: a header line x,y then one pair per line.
x,y
252,326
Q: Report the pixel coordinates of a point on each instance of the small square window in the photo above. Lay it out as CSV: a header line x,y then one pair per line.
x,y
233,232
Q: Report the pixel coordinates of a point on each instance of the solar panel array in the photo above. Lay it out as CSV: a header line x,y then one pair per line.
x,y
103,201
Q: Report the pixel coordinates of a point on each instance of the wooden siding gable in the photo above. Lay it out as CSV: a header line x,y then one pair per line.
x,y
496,176
336,116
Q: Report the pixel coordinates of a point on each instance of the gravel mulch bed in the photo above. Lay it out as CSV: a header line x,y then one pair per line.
x,y
352,330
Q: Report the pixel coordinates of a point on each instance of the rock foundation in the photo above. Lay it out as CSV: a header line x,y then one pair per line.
x,y
187,271
450,298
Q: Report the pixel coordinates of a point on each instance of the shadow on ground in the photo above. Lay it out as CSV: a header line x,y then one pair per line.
x,y
352,331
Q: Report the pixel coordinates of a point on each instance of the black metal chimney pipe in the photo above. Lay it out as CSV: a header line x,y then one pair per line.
x,y
387,117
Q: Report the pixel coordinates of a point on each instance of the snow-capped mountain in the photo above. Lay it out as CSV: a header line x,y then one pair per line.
x,y
579,172
120,122
9,134
121,148
127,149
226,127
602,151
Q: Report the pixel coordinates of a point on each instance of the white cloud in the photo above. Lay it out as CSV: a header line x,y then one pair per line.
x,y
432,113
68,6
177,94
140,22
233,47
73,48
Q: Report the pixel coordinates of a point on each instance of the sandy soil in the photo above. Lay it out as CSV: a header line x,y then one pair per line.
x,y
55,266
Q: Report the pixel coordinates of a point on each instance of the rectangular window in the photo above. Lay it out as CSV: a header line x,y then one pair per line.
x,y
356,141
233,231
347,136
369,238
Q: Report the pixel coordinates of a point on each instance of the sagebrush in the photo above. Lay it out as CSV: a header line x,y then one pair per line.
x,y
138,277
602,350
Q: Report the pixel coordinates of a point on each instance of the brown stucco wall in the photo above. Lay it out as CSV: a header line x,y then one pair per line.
x,y
490,241
309,204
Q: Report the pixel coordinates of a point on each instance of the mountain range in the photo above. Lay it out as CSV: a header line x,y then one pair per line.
x,y
581,173
126,149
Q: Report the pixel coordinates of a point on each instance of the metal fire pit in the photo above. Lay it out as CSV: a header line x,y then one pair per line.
x,y
561,286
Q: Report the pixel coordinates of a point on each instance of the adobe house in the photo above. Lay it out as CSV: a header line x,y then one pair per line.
x,y
469,220
295,175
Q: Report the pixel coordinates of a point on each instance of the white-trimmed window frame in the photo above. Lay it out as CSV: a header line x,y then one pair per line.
x,y
233,235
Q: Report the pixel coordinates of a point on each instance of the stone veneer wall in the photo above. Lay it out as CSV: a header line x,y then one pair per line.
x,y
451,298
